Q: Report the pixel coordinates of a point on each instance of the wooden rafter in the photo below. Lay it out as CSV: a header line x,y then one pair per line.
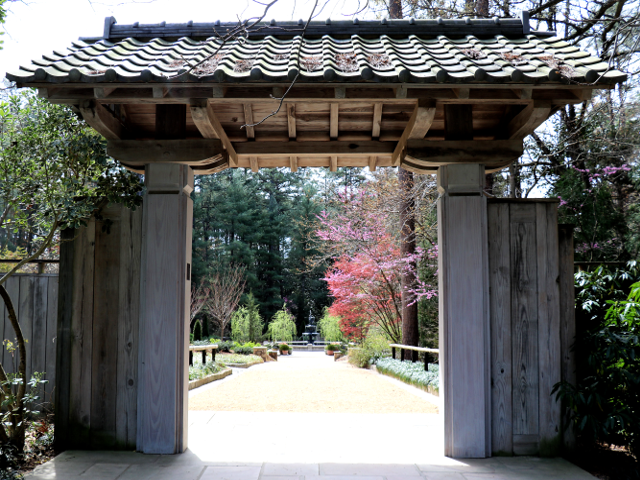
x,y
101,120
417,127
373,160
525,122
254,164
204,117
318,149
333,166
333,121
291,120
377,120
293,163
248,120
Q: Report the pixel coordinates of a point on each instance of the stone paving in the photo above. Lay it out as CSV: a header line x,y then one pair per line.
x,y
306,446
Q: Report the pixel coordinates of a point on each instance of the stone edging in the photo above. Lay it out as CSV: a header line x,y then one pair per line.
x,y
209,378
243,365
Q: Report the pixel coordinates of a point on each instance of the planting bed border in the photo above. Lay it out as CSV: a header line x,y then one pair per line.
x,y
209,378
427,388
240,365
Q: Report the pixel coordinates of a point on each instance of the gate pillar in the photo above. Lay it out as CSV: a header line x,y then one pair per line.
x,y
464,311
164,325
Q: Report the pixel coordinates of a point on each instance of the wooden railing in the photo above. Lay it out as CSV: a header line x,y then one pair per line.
x,y
414,352
204,349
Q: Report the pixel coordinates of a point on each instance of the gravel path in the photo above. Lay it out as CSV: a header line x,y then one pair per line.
x,y
311,383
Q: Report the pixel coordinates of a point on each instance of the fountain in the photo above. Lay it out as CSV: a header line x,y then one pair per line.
x,y
310,333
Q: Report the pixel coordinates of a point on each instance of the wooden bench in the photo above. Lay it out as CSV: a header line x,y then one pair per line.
x,y
204,349
414,351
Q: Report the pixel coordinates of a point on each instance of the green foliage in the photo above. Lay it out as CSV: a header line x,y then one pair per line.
x,y
329,326
197,331
199,370
283,347
282,327
332,347
411,372
246,323
236,359
226,346
605,403
374,347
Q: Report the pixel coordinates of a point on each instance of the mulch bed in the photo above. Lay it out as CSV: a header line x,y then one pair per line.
x,y
606,462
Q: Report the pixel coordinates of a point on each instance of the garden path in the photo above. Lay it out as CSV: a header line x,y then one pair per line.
x,y
309,382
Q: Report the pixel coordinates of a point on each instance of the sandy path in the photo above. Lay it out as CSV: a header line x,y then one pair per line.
x,y
312,383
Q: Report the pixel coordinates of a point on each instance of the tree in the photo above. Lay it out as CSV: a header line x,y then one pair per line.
x,y
282,327
227,286
199,297
329,326
54,174
246,322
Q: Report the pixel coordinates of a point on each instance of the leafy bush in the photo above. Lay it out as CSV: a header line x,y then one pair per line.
x,y
329,326
374,347
283,326
199,370
605,403
197,331
243,350
226,346
283,347
239,359
410,372
331,347
246,322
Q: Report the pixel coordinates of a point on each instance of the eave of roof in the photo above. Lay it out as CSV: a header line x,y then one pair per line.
x,y
409,51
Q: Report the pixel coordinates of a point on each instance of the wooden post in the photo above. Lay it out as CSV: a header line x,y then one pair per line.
x,y
164,324
204,357
414,356
190,358
393,352
464,316
426,361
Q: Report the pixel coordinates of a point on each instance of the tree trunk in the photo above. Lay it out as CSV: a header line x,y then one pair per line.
x,y
410,334
395,8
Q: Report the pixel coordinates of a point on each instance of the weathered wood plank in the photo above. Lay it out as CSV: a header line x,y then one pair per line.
x,y
81,336
373,160
171,121
248,121
293,163
333,165
524,317
549,349
528,120
141,152
333,121
38,343
64,341
377,120
27,291
525,444
50,353
291,120
491,153
458,122
567,321
9,361
104,356
128,312
500,320
285,149
101,120
254,164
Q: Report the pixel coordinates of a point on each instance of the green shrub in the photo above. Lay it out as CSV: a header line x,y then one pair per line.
x,y
605,403
246,322
234,358
329,327
332,348
197,331
374,347
283,347
283,326
226,346
198,370
410,372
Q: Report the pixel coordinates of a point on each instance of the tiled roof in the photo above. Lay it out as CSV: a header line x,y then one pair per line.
x,y
429,51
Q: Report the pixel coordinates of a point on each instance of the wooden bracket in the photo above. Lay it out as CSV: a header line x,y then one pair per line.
x,y
248,120
333,166
377,120
373,160
205,119
417,127
101,120
525,122
103,92
254,164
291,120
293,163
491,153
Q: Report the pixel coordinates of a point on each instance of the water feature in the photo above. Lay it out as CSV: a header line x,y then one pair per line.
x,y
311,332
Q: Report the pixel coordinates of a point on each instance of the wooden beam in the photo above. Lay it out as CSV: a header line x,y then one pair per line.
x,y
204,117
491,153
333,166
333,121
160,92
523,93
103,92
417,127
293,163
248,120
171,121
462,93
458,122
377,120
101,120
254,164
373,160
340,92
401,91
528,120
314,149
291,120
190,152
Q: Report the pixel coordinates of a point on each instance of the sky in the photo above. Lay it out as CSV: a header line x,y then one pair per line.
x,y
37,27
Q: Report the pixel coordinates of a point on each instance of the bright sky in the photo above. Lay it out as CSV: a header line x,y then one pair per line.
x,y
37,27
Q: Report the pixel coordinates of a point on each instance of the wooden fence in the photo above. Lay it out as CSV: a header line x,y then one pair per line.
x,y
35,299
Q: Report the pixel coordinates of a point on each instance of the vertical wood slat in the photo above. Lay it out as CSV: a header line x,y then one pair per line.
x,y
567,319
64,341
12,285
500,320
524,319
549,354
81,336
105,331
128,312
50,350
27,290
333,121
38,344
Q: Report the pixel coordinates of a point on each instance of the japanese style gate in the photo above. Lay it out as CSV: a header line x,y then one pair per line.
x,y
452,97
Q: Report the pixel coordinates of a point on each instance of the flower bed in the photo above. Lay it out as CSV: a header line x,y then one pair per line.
x,y
202,374
411,373
239,361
